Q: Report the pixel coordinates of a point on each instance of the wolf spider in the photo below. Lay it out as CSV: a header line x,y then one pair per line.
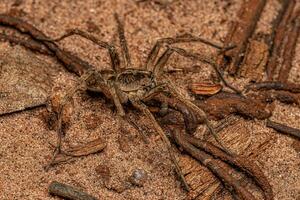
x,y
122,84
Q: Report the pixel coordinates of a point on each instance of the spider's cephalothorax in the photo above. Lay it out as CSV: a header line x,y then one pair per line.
x,y
129,84
134,84
133,80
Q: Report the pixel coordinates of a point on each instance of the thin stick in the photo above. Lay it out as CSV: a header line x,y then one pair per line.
x,y
283,128
29,43
28,107
71,62
274,85
247,166
214,166
69,192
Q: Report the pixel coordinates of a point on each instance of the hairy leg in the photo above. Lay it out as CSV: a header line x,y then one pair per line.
x,y
58,105
123,42
186,38
197,110
140,106
114,57
158,67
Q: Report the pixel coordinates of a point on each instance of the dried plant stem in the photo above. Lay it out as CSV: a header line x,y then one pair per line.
x,y
69,192
214,166
283,128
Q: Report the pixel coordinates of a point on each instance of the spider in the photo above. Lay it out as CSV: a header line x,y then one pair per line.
x,y
123,84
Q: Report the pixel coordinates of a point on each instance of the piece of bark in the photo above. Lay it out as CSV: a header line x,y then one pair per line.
x,y
256,57
276,22
289,49
68,192
280,28
91,147
25,80
223,104
283,97
241,31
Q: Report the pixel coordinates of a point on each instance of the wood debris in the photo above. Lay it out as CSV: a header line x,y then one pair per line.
x,y
241,31
91,147
25,80
256,57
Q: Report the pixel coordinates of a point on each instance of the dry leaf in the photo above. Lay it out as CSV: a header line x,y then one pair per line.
x,y
205,88
81,150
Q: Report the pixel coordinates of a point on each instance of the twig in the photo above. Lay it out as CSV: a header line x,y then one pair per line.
x,y
71,62
283,128
279,95
27,107
214,166
273,85
69,192
249,167
29,43
78,151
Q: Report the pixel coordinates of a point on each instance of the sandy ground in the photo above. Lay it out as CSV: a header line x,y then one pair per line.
x,y
26,140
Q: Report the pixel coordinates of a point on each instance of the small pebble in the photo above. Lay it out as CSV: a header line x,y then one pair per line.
x,y
138,177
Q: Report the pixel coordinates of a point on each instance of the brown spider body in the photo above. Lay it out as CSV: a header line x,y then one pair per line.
x,y
134,84
130,84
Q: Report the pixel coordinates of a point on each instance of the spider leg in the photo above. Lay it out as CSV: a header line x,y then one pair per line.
x,y
117,101
181,39
142,107
198,111
123,42
190,120
114,57
97,83
59,113
158,68
179,104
